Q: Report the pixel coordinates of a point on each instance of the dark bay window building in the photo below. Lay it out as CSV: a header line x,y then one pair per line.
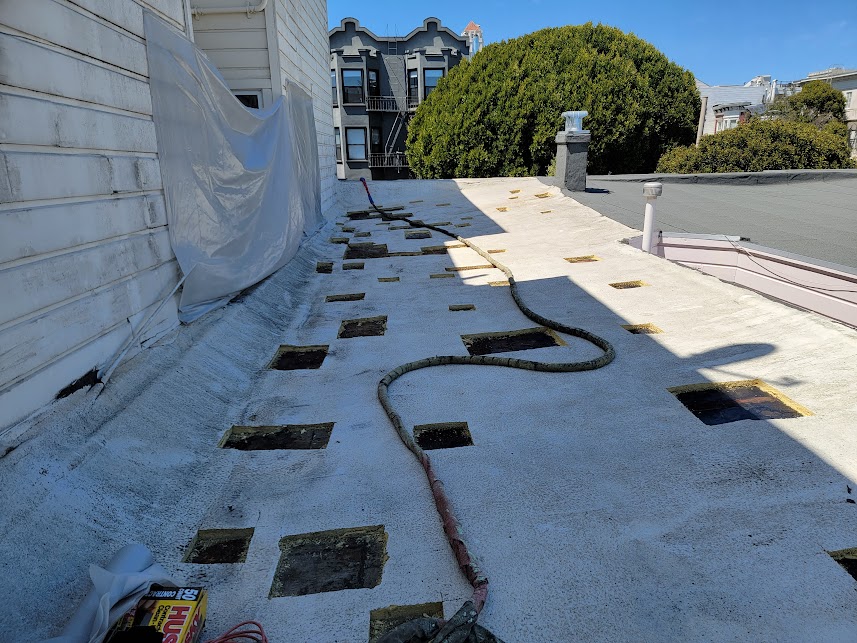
x,y
376,84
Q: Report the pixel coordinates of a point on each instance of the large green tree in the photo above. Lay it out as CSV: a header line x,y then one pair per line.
x,y
498,114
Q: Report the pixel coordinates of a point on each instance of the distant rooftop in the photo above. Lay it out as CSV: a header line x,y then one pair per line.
x,y
832,72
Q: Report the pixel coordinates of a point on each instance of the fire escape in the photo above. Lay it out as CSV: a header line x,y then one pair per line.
x,y
400,104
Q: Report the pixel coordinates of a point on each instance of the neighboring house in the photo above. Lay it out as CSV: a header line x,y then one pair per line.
x,y
475,39
845,80
85,253
729,115
724,106
376,85
718,96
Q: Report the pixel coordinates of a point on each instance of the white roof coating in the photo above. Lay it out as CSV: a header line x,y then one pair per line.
x,y
599,507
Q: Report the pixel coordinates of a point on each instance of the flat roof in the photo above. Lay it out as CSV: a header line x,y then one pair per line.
x,y
597,504
815,218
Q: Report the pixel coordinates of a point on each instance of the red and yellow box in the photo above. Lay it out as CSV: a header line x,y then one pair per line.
x,y
177,614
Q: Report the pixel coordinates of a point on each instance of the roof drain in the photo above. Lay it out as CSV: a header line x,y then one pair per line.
x,y
462,626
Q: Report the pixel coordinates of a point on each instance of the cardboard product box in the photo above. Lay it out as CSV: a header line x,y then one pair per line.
x,y
163,615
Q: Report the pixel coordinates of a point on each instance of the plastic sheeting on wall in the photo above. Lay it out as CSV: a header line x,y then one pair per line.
x,y
242,186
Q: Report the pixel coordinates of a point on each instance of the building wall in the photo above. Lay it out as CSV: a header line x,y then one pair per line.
x,y
85,254
84,249
430,46
237,43
301,27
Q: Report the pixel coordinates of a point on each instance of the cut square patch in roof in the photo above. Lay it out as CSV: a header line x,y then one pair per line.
x,y
623,285
384,620
292,358
219,546
462,225
367,250
356,265
441,205
324,267
329,561
442,275
543,195
503,209
348,228
513,340
720,403
486,266
642,329
499,284
583,259
364,327
362,234
355,296
461,307
387,280
272,438
440,223
339,240
443,435
496,251
360,215
434,250
418,234
847,559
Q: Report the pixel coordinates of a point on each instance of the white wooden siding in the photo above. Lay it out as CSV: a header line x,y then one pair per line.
x,y
238,45
84,248
304,55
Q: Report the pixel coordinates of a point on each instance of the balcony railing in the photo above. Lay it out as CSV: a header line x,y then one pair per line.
x,y
394,160
413,102
383,104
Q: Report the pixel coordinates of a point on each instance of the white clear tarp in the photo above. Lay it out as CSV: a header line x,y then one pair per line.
x,y
242,186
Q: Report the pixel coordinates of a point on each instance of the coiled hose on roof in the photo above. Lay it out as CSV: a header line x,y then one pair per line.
x,y
462,627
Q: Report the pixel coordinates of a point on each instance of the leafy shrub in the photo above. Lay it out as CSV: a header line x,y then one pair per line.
x,y
762,145
498,114
817,103
817,98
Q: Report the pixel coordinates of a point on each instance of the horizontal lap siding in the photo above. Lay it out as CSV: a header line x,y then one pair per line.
x,y
236,43
304,52
84,248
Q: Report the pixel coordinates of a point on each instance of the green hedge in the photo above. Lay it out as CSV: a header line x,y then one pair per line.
x,y
498,114
761,145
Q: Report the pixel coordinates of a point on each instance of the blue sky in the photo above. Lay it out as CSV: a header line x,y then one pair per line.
x,y
722,43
